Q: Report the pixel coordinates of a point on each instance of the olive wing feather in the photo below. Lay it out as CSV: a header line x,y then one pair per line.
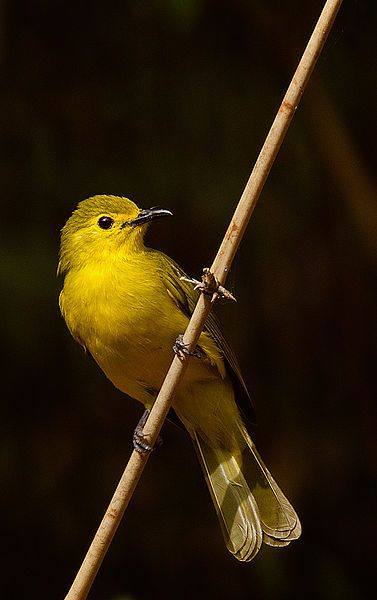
x,y
186,297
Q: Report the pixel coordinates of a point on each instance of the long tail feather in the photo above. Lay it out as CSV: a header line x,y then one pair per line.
x,y
250,506
234,503
279,520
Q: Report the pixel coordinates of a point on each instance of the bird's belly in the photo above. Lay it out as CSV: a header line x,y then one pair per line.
x,y
136,372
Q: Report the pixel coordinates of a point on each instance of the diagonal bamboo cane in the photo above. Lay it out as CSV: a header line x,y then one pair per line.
x,y
220,268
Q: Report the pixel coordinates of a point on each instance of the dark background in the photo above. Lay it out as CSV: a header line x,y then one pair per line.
x,y
168,103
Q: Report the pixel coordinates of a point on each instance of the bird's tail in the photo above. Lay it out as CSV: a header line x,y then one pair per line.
x,y
250,506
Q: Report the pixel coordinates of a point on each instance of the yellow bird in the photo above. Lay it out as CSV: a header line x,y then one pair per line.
x,y
126,304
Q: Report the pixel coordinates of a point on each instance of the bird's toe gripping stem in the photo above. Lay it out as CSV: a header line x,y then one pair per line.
x,y
181,349
138,438
210,285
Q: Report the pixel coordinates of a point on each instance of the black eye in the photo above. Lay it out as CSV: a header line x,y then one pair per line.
x,y
105,222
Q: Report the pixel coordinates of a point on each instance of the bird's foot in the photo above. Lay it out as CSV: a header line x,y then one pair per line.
x,y
210,285
181,349
138,438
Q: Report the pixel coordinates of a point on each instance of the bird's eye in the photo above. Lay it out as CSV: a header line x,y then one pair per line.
x,y
105,222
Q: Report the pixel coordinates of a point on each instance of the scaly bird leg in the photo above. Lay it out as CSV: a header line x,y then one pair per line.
x,y
181,349
210,285
139,442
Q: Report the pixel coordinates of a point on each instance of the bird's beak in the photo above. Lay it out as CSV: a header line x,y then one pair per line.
x,y
148,214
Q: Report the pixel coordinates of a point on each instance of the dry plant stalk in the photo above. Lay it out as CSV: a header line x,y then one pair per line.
x,y
220,268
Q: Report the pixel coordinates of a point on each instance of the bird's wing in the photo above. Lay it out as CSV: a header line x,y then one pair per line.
x,y
186,297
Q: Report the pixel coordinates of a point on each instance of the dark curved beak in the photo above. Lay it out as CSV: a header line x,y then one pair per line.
x,y
148,214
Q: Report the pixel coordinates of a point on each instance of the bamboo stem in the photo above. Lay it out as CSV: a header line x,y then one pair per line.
x,y
220,267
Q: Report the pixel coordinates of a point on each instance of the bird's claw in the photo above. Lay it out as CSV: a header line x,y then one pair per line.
x,y
138,437
181,349
210,285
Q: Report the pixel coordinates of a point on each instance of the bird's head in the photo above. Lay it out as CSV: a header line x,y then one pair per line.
x,y
101,227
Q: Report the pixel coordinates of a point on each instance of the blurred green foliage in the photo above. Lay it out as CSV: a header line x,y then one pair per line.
x,y
168,102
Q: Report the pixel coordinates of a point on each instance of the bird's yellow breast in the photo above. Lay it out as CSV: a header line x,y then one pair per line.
x,y
123,315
